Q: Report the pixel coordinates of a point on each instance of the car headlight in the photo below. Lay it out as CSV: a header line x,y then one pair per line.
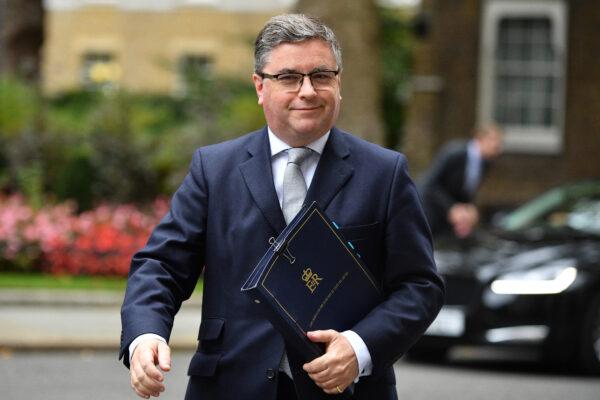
x,y
549,279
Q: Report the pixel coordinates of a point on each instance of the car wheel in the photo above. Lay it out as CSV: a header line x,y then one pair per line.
x,y
589,355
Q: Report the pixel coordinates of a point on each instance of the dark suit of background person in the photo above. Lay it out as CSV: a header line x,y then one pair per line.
x,y
219,224
447,184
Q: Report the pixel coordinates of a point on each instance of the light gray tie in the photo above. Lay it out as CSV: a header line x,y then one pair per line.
x,y
294,192
294,185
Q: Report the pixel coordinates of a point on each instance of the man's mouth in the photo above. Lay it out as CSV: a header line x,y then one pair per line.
x,y
305,108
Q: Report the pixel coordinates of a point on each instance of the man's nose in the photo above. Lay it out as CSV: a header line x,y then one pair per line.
x,y
306,87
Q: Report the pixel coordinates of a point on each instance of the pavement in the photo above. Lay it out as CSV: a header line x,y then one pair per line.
x,y
50,319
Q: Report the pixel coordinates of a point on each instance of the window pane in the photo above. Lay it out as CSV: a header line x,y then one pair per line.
x,y
193,66
194,70
99,69
527,72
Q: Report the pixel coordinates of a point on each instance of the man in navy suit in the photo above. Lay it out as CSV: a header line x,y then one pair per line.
x,y
228,207
449,186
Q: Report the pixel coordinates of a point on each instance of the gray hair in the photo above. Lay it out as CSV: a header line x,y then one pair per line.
x,y
292,28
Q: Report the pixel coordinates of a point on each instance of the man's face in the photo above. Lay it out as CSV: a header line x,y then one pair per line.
x,y
299,117
490,145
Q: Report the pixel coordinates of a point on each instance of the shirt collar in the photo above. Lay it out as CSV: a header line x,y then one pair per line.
x,y
278,145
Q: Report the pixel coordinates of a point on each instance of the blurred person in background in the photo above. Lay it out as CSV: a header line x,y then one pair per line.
x,y
449,186
234,199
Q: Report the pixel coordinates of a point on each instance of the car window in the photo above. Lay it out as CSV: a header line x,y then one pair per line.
x,y
585,216
573,206
528,214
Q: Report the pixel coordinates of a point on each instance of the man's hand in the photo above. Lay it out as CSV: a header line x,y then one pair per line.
x,y
463,217
146,377
338,367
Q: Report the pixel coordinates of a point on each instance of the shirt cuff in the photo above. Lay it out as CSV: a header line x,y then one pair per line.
x,y
140,339
365,364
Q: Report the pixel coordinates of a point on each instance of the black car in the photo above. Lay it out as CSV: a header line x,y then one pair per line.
x,y
531,281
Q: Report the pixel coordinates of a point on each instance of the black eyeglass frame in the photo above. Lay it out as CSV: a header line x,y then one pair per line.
x,y
275,77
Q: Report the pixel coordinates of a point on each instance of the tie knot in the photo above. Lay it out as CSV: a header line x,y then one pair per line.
x,y
297,155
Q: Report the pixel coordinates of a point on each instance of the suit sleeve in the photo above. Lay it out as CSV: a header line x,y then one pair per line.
x,y
414,292
437,194
164,273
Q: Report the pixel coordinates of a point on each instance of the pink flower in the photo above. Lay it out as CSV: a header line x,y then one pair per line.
x,y
55,239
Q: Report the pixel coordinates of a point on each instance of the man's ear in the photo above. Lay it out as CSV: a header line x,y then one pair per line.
x,y
258,85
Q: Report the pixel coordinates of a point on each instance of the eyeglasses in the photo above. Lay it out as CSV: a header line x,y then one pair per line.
x,y
292,81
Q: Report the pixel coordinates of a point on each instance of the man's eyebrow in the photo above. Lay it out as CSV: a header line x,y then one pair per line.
x,y
293,71
287,71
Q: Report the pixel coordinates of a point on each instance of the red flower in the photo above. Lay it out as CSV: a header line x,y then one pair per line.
x,y
55,239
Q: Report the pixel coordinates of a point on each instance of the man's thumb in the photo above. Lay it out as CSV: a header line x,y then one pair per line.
x,y
164,356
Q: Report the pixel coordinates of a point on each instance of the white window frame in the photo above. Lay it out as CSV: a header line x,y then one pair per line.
x,y
180,88
522,139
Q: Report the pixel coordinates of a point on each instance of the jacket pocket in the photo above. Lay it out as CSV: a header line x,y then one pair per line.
x,y
211,328
203,364
365,240
357,233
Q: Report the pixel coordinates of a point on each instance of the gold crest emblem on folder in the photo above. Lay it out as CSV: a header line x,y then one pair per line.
x,y
311,279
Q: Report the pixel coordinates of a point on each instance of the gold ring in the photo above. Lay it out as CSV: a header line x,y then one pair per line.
x,y
338,389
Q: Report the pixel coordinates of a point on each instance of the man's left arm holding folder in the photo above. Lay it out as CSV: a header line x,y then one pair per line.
x,y
413,291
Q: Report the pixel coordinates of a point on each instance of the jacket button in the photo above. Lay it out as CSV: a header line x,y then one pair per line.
x,y
270,374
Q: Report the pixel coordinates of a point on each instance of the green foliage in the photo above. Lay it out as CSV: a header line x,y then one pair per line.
x,y
18,107
73,178
30,179
14,280
222,109
240,114
214,110
396,64
119,160
68,112
33,281
110,145
19,144
155,115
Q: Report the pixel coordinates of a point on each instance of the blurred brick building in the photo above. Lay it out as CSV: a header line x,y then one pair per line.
x,y
147,45
530,65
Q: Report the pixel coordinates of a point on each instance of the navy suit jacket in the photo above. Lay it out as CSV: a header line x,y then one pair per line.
x,y
444,184
219,224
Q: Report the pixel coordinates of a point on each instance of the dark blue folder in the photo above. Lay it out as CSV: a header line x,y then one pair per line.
x,y
311,278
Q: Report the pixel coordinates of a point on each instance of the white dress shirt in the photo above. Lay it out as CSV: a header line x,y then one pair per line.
x,y
279,159
473,168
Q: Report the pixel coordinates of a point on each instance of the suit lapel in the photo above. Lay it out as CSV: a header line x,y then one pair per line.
x,y
258,176
332,172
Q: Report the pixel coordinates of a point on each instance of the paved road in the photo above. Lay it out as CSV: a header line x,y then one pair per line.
x,y
32,322
56,327
54,319
92,375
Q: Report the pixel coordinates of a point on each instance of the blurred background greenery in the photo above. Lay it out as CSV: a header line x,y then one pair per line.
x,y
112,145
